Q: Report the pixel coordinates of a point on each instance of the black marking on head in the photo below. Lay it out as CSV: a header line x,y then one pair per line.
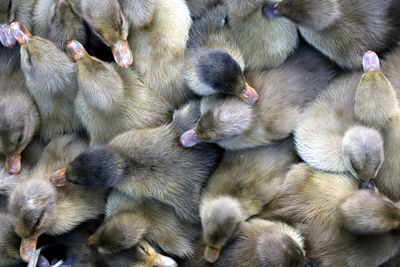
x,y
220,71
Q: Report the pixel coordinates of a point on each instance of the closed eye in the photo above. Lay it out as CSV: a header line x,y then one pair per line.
x,y
37,223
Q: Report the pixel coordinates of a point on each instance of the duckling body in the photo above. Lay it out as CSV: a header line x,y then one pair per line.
x,y
260,243
19,119
234,125
158,42
51,80
359,25
58,21
150,163
39,207
244,182
341,225
264,43
130,220
112,100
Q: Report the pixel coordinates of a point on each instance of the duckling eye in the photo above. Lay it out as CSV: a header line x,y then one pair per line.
x,y
29,60
19,139
143,249
9,6
120,21
37,223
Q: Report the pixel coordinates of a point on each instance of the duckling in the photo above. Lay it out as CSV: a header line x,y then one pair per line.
x,y
234,125
331,128
51,80
143,164
359,25
36,206
12,10
130,220
19,119
341,225
260,243
59,21
242,185
214,62
9,242
108,20
112,100
158,39
265,43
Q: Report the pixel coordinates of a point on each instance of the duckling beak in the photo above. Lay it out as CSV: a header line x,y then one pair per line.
x,y
59,178
75,50
371,61
6,37
20,32
189,138
13,163
249,95
27,248
122,53
270,10
211,255
163,261
366,184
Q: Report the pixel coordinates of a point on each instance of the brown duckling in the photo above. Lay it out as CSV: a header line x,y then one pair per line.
x,y
158,35
265,43
331,137
214,62
130,220
108,20
341,225
36,206
59,21
19,119
150,163
244,182
51,80
259,243
359,25
12,10
234,125
112,100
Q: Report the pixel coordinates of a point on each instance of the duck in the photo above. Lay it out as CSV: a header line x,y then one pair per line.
x,y
129,220
112,100
359,25
214,62
143,164
260,243
341,224
353,121
50,76
12,10
235,125
158,35
244,182
59,21
265,43
37,206
19,119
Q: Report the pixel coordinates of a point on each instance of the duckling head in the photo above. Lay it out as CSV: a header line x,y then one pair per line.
x,y
275,248
7,13
215,71
109,22
375,99
363,155
65,23
221,220
33,209
368,212
221,118
17,127
97,167
45,65
315,15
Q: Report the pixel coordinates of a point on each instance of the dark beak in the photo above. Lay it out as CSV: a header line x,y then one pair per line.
x,y
366,184
270,10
